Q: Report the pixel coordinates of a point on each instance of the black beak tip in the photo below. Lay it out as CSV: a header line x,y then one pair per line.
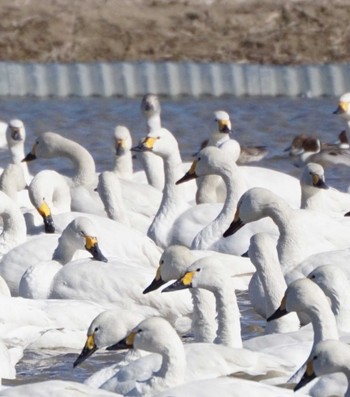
x,y
277,314
29,157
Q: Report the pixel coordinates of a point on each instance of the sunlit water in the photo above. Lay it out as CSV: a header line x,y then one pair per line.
x,y
256,121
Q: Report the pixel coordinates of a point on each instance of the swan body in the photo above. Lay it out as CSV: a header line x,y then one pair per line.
x,y
80,234
179,363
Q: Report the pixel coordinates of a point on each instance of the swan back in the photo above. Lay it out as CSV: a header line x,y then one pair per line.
x,y
12,180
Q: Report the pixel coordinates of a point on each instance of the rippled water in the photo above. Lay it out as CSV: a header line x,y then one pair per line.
x,y
256,121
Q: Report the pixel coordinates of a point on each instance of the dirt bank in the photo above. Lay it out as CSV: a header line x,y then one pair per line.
x,y
259,31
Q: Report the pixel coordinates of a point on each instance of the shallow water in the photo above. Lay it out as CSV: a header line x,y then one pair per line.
x,y
256,121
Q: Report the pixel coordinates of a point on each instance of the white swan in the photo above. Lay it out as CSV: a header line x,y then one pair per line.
x,y
209,273
14,228
302,232
110,191
328,357
15,137
262,252
123,166
152,164
343,109
164,144
335,284
12,183
80,234
180,363
173,263
210,187
194,230
316,195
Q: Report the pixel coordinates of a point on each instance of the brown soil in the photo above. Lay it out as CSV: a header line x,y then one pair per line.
x,y
257,31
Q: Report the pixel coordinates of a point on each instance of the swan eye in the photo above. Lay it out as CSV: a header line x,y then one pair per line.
x,y
82,233
96,329
162,262
37,142
198,270
198,159
139,330
315,357
313,276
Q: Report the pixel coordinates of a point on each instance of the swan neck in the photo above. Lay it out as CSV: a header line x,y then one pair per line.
x,y
323,322
203,316
228,317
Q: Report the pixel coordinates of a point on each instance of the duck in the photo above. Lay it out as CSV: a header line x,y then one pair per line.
x,y
328,357
310,149
176,363
192,228
80,234
302,232
318,196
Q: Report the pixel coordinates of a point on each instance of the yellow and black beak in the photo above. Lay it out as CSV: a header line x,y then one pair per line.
x,y
45,212
308,376
224,126
31,155
319,182
145,145
184,282
126,343
236,224
342,108
156,283
91,245
280,312
89,348
191,174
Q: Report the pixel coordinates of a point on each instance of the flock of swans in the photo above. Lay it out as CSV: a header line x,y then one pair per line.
x,y
147,264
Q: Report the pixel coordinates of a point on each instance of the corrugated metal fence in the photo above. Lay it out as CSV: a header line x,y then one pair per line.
x,y
131,79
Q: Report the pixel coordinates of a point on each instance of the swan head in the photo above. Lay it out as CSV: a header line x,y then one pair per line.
x,y
343,108
81,234
327,357
173,262
108,327
155,334
46,145
207,273
150,105
301,295
15,132
332,280
253,205
210,160
122,140
313,176
159,141
223,120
